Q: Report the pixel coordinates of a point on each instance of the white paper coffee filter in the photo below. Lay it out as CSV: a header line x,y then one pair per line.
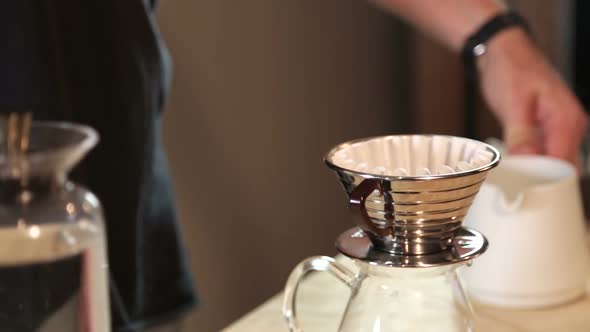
x,y
413,155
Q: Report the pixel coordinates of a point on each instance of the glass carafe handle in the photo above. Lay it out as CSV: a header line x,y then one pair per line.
x,y
317,263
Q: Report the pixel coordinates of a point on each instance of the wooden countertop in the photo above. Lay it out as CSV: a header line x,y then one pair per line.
x,y
322,299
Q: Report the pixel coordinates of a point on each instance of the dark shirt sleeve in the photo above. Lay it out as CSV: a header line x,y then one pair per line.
x,y
21,80
108,69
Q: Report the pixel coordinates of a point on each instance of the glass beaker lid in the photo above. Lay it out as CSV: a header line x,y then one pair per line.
x,y
48,148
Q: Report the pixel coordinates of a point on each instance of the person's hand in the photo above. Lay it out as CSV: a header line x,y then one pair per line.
x,y
538,112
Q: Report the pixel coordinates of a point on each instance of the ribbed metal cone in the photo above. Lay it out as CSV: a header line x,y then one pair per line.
x,y
410,193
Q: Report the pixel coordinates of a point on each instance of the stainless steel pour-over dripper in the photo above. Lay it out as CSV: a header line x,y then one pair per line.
x,y
410,193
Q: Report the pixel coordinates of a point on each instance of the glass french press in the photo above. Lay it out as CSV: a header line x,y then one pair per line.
x,y
53,265
408,195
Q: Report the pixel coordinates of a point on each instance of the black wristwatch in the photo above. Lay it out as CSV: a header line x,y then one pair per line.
x,y
475,45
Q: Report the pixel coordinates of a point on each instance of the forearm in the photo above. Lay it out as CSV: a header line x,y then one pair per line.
x,y
449,21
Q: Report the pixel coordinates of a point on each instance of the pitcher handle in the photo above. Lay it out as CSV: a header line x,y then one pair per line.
x,y
358,209
316,263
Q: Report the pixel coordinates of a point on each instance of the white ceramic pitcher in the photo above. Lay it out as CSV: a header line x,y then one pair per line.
x,y
530,210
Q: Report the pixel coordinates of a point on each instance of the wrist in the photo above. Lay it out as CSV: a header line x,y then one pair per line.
x,y
491,36
475,18
512,40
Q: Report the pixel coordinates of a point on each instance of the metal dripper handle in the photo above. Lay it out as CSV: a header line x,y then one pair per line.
x,y
358,209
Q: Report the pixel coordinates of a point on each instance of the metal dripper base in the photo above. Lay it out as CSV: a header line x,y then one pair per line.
x,y
467,245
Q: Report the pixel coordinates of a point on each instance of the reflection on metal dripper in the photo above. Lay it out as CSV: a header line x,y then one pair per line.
x,y
14,140
410,193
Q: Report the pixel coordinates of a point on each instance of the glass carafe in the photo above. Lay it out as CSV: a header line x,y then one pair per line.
x,y
53,267
385,298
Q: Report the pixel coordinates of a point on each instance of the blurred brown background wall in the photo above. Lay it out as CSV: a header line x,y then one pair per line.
x,y
262,89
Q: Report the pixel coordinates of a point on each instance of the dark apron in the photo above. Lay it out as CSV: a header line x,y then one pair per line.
x,y
102,63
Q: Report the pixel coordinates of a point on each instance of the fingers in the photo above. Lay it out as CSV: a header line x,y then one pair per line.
x,y
522,138
564,125
554,125
521,132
